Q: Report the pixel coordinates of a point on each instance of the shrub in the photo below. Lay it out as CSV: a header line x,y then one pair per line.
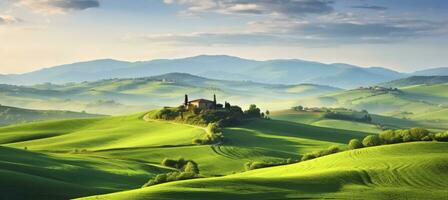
x,y
167,113
191,167
308,156
371,140
442,137
316,154
418,133
169,163
260,164
181,164
169,177
253,112
391,136
355,144
213,128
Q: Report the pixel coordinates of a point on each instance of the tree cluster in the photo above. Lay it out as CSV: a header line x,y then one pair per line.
x,y
262,164
188,169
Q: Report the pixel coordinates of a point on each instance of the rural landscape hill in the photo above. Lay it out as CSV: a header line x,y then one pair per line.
x,y
286,71
389,172
13,115
223,100
118,96
401,98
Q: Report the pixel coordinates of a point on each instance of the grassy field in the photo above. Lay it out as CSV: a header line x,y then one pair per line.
x,y
401,171
424,103
120,153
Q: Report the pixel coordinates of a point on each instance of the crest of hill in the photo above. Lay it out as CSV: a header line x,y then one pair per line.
x,y
417,80
12,115
440,71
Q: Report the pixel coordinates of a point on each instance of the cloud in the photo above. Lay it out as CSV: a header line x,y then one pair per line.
x,y
7,19
293,32
58,6
371,7
281,7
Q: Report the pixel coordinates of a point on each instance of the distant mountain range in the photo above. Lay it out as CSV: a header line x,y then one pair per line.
x,y
292,71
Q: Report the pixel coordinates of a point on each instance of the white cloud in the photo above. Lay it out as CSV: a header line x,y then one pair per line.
x,y
282,7
7,19
57,6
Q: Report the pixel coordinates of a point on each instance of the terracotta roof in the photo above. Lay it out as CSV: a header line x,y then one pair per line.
x,y
201,100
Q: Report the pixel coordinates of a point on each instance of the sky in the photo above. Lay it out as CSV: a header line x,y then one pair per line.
x,y
404,35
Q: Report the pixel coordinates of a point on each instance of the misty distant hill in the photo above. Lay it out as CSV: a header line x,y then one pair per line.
x,y
12,115
417,80
441,71
290,71
124,95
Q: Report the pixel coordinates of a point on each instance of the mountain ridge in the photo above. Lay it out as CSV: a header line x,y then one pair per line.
x,y
222,67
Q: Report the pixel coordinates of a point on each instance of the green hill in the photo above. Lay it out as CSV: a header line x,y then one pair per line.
x,y
401,171
130,150
12,115
319,119
405,102
124,96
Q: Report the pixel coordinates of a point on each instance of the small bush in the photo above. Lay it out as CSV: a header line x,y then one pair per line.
x,y
418,133
442,137
169,163
391,137
260,164
317,154
308,156
355,144
191,167
170,177
181,164
371,140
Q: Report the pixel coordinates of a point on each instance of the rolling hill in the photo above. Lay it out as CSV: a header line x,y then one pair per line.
x,y
287,71
405,102
114,96
96,156
440,71
417,80
400,171
13,115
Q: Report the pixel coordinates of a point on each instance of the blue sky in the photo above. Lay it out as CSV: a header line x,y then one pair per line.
x,y
404,35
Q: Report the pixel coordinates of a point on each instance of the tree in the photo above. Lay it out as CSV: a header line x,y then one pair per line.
x,y
186,100
371,140
253,111
227,105
355,144
214,100
191,167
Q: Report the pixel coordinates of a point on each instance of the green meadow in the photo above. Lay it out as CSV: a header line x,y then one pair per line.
x,y
112,157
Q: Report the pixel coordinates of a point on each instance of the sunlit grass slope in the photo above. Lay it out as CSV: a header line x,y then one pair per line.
x,y
98,134
30,175
400,171
318,119
406,102
132,138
